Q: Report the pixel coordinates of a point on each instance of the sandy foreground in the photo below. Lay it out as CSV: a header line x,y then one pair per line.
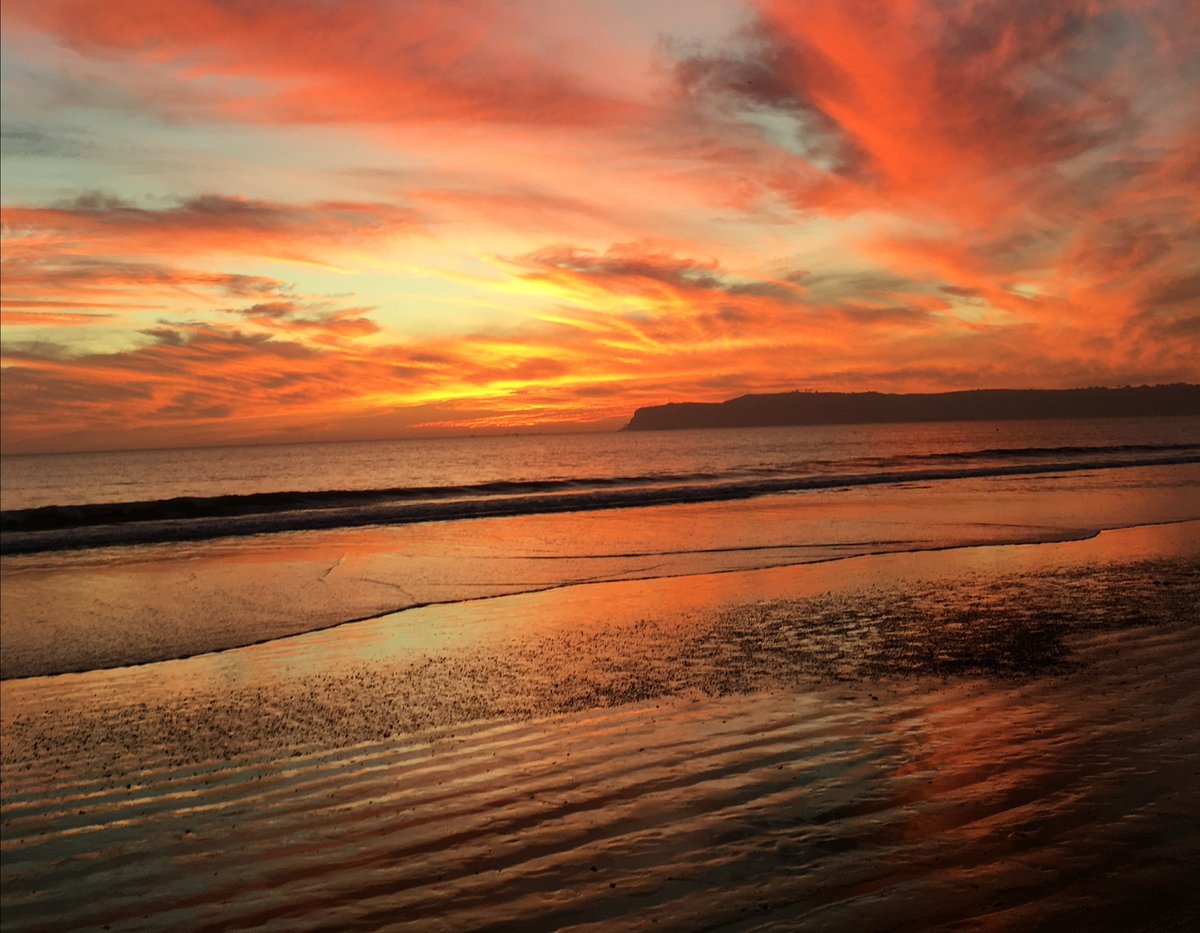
x,y
984,738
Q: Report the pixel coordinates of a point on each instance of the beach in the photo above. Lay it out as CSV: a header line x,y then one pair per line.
x,y
992,737
77,610
535,465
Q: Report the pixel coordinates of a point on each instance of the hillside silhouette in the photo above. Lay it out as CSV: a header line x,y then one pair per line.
x,y
794,408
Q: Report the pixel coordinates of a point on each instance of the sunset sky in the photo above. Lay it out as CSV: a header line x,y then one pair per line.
x,y
236,220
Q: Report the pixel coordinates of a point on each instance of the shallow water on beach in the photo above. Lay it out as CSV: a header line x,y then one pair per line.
x,y
78,610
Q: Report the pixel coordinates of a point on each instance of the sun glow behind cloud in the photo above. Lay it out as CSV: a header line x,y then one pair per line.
x,y
302,220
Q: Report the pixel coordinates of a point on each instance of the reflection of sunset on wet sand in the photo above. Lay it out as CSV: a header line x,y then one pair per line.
x,y
577,754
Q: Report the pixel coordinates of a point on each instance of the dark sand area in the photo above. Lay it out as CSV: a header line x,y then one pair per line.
x,y
986,738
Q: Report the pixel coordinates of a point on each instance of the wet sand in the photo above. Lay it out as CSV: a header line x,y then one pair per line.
x,y
986,738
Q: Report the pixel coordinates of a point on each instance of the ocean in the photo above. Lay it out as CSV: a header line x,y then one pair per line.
x,y
98,499
913,676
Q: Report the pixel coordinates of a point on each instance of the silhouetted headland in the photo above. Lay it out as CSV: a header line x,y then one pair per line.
x,y
791,408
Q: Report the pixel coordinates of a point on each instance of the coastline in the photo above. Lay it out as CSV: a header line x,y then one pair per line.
x,y
857,742
808,408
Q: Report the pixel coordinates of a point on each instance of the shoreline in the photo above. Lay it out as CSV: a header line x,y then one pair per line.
x,y
1083,535
583,619
73,612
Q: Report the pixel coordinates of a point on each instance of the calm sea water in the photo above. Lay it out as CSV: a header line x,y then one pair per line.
x,y
717,455
80,500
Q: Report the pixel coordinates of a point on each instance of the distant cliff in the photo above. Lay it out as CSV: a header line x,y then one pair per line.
x,y
880,408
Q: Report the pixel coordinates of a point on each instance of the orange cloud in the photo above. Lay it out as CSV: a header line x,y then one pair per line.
x,y
918,107
88,281
98,224
356,61
50,318
1009,145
